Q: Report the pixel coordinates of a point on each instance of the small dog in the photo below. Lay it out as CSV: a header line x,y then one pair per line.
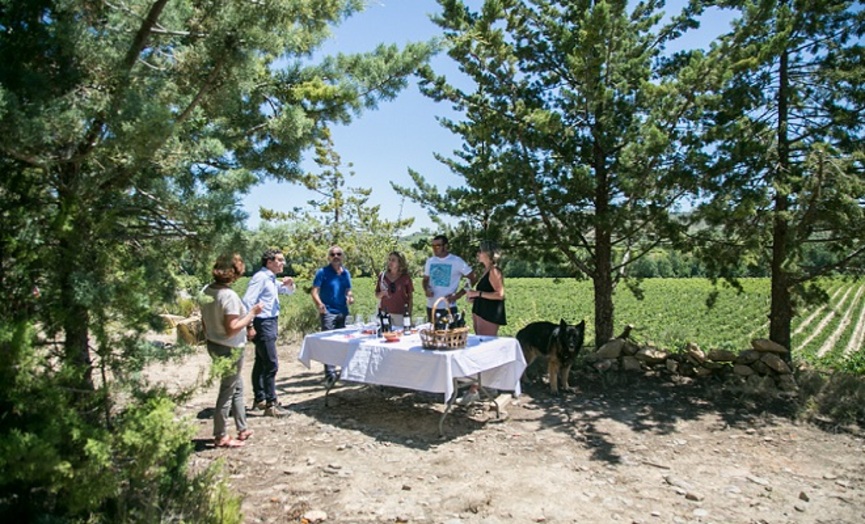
x,y
560,343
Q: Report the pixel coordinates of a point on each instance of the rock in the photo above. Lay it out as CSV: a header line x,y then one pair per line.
x,y
804,496
787,383
721,355
742,370
694,353
603,365
703,371
651,355
766,345
631,364
612,349
748,357
676,482
672,366
775,363
314,516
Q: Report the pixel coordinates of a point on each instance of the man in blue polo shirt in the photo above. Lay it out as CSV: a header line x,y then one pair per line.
x,y
331,293
263,287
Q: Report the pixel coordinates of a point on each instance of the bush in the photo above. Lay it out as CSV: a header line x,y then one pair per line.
x,y
64,458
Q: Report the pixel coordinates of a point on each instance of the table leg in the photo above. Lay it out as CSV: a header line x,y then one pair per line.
x,y
448,407
328,385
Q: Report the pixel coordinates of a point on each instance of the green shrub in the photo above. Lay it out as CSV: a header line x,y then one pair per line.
x,y
63,458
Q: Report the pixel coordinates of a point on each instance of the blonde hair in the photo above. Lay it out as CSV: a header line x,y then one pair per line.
x,y
401,262
492,250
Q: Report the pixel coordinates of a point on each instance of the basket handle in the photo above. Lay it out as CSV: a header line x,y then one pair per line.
x,y
448,309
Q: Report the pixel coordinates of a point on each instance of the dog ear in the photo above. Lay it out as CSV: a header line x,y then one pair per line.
x,y
562,324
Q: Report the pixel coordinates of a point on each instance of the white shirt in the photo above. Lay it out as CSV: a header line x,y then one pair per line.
x,y
444,276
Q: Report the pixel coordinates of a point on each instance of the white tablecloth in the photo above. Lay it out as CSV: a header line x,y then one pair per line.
x,y
498,361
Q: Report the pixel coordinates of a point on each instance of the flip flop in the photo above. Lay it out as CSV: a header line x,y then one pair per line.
x,y
228,442
245,434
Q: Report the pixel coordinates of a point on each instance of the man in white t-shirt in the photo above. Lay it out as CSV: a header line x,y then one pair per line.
x,y
442,274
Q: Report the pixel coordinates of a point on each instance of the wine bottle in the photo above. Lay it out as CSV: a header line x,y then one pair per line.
x,y
385,322
406,320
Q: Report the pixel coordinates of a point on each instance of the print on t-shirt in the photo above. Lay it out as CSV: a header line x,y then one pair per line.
x,y
440,275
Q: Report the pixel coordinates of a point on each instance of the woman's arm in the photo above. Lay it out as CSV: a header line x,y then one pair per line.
x,y
234,323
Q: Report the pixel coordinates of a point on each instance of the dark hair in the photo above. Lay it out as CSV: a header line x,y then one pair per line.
x,y
269,255
443,238
227,268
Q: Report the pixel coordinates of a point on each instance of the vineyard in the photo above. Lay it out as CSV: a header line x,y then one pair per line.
x,y
675,311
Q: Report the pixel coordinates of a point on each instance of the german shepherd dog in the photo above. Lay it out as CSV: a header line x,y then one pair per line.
x,y
560,343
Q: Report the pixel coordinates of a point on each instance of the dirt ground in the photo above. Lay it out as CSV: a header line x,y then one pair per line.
x,y
642,450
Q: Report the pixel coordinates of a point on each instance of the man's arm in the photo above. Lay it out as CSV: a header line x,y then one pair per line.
x,y
317,301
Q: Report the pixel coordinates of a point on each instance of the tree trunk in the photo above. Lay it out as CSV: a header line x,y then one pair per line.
x,y
603,277
603,283
781,312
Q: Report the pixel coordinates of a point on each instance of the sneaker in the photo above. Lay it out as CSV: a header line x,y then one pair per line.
x,y
469,398
274,410
260,404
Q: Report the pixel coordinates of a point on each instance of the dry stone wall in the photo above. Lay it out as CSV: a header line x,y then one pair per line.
x,y
761,366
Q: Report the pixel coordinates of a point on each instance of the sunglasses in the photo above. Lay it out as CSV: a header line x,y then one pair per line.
x,y
392,287
335,253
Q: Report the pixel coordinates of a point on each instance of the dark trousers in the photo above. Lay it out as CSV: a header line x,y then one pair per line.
x,y
266,361
329,322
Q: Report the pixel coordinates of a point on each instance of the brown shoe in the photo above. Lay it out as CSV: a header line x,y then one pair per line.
x,y
275,411
261,404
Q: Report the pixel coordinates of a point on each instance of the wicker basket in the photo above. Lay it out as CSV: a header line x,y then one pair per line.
x,y
444,339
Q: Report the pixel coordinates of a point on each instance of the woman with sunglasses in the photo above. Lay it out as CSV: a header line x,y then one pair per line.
x,y
394,288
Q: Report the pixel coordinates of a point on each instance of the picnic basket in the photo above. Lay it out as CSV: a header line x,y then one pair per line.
x,y
444,339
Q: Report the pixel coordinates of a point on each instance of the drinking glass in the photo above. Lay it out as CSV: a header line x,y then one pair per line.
x,y
349,320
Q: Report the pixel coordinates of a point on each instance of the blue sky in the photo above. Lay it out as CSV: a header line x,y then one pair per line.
x,y
383,144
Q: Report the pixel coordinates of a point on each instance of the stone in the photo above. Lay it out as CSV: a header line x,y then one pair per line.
x,y
721,355
787,383
776,363
314,516
603,365
694,353
702,371
651,355
748,357
766,345
612,349
630,348
742,370
631,364
672,366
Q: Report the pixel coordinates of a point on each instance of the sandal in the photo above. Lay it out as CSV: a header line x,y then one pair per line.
x,y
245,434
228,442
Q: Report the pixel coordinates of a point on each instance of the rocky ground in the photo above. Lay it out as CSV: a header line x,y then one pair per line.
x,y
634,449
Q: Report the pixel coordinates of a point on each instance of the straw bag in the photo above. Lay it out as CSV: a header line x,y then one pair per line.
x,y
444,339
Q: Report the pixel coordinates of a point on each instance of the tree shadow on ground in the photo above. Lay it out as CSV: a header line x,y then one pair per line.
x,y
400,416
646,403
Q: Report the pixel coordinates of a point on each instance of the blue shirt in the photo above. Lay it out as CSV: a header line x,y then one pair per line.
x,y
332,288
263,288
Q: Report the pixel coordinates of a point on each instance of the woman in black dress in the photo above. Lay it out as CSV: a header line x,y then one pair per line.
x,y
488,303
488,297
